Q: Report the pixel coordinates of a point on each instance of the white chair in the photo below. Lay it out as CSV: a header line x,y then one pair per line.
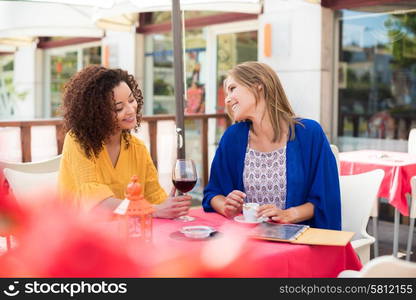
x,y
335,150
25,179
44,166
358,193
28,186
386,266
411,149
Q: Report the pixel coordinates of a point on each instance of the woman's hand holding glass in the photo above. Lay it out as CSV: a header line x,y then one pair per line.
x,y
184,178
174,206
233,203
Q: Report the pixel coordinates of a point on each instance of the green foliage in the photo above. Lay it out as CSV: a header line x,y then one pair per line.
x,y
402,34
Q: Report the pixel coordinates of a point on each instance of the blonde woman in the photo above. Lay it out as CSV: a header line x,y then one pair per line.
x,y
271,157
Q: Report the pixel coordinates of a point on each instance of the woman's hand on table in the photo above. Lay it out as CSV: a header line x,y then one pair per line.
x,y
173,206
270,211
233,203
294,214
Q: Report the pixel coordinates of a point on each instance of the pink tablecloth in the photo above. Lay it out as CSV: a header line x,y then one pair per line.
x,y
261,258
399,167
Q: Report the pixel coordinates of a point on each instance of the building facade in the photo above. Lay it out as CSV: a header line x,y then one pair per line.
x,y
351,65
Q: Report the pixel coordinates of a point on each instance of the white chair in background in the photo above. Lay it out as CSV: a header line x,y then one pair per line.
x,y
411,149
374,210
335,150
29,186
25,178
358,193
44,166
386,266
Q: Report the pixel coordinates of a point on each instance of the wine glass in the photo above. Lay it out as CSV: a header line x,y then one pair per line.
x,y
184,178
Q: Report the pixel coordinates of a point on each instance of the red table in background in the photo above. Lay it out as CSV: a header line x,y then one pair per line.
x,y
270,259
399,167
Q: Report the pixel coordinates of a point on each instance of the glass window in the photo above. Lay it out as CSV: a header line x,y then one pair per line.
x,y
159,61
91,56
232,49
8,95
64,64
377,75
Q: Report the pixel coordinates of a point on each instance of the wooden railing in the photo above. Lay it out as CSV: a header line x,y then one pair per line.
x,y
25,134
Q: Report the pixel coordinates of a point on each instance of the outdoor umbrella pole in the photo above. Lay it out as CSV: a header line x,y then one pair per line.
x,y
178,71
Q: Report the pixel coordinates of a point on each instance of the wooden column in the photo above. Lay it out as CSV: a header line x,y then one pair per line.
x,y
60,137
204,144
153,140
25,138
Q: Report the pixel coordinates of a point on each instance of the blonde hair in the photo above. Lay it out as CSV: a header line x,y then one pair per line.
x,y
253,75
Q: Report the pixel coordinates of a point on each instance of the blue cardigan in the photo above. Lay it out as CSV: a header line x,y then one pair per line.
x,y
311,171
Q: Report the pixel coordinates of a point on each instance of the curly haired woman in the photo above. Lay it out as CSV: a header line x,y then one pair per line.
x,y
100,155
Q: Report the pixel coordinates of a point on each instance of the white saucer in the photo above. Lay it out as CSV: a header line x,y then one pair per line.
x,y
197,232
241,219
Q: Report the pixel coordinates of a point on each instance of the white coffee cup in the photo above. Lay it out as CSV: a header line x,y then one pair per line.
x,y
250,211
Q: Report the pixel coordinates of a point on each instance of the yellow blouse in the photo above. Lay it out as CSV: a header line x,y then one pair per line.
x,y
85,182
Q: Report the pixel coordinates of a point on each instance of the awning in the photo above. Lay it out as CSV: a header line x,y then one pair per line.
x,y
381,5
66,18
122,7
122,14
7,48
20,21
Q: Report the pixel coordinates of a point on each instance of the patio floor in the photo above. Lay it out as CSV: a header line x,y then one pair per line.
x,y
385,233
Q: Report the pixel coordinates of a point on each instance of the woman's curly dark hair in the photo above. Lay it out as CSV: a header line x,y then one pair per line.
x,y
89,107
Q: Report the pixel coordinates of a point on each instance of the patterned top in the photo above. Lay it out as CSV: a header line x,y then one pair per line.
x,y
264,176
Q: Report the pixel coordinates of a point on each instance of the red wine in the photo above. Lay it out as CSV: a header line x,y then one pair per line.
x,y
184,185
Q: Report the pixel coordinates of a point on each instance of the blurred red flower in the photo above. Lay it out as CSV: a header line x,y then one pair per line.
x,y
59,242
55,241
12,216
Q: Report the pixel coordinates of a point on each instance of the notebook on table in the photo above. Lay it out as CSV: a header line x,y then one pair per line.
x,y
300,234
